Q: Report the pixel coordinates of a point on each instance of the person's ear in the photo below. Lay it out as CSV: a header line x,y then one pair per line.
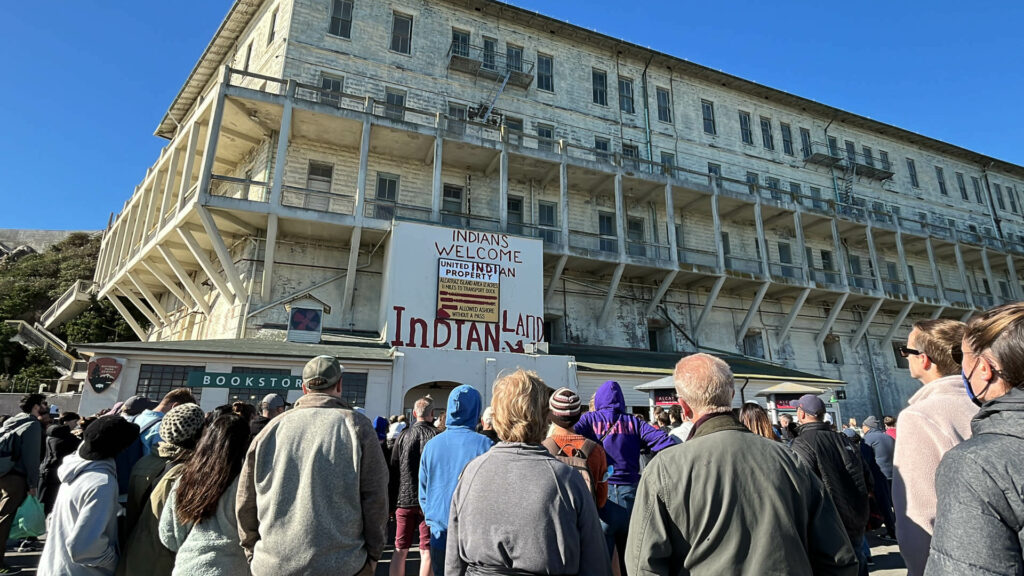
x,y
305,390
926,362
687,411
337,387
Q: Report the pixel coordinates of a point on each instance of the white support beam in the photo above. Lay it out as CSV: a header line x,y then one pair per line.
x,y
937,312
839,256
987,266
364,160
798,305
708,304
620,217
154,303
147,222
716,227
172,175
190,163
609,300
1011,280
437,185
284,135
221,249
555,278
967,316
962,268
801,247
762,248
829,322
493,164
213,135
563,198
350,276
935,269
902,254
503,188
873,258
167,282
186,280
751,311
127,316
204,262
140,305
666,283
866,322
670,213
269,249
896,323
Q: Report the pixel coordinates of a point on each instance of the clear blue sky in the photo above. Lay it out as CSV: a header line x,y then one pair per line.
x,y
86,81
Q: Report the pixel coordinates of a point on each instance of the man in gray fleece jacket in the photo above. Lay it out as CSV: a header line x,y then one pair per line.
x,y
312,494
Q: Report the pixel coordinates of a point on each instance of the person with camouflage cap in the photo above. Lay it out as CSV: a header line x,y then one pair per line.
x,y
320,506
151,481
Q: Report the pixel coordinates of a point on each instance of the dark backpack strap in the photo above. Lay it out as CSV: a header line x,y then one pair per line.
x,y
148,426
609,429
587,448
552,446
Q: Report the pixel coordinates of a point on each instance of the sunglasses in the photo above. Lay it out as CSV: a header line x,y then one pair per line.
x,y
904,351
957,354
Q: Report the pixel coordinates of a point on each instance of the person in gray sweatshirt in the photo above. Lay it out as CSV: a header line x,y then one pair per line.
x,y
517,509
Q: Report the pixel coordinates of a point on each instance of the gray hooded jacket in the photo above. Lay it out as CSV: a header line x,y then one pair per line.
x,y
979,526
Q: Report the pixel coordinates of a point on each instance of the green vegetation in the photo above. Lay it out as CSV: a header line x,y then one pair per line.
x,y
29,285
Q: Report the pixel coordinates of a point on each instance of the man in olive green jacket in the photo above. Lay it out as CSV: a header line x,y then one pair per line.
x,y
728,501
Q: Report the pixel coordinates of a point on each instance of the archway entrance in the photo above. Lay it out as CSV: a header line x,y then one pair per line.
x,y
438,392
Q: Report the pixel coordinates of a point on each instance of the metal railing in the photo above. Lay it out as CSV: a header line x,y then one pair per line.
x,y
549,234
316,200
649,250
593,242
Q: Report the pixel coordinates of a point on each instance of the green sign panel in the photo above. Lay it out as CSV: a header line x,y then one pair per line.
x,y
229,380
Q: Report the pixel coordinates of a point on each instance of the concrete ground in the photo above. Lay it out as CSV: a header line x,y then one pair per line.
x,y
886,556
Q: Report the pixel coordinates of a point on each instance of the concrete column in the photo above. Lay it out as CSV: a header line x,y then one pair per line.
x,y
1014,283
503,188
212,136
190,162
798,304
186,280
873,255
838,260
749,316
141,306
902,254
935,269
801,246
963,275
204,262
147,223
762,247
167,282
268,258
127,316
172,174
708,304
716,225
670,215
364,160
281,156
437,186
866,322
563,197
819,340
886,343
555,277
222,252
988,273
154,303
620,216
350,276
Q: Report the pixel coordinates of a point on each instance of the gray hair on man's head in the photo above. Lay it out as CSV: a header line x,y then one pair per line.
x,y
705,383
423,408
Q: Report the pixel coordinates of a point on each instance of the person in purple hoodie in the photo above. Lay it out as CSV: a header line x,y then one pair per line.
x,y
623,437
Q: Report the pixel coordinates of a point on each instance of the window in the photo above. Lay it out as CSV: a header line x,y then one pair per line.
x,y
726,248
545,72
833,147
514,209
745,134
707,110
156,380
387,195
753,345
795,191
514,58
394,107
962,186
851,152
635,237
883,157
603,148
976,184
716,171
318,177
805,142
1012,198
630,152
273,26
869,159
668,163
901,362
514,124
664,105
773,186
451,206
752,180
341,19
787,138
253,395
599,79
401,33
248,56
785,253
545,137
912,171
547,219
456,120
626,95
460,43
766,134
490,47
999,194
332,86
940,177
659,338
606,229
833,350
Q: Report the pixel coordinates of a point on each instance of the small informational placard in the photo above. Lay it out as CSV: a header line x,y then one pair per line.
x,y
468,290
231,380
665,397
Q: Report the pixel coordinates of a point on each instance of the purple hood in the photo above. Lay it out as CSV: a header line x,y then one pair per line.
x,y
624,435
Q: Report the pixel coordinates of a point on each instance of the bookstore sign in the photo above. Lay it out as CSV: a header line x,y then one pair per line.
x,y
230,380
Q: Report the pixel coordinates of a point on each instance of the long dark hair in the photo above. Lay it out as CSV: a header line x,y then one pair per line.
x,y
216,463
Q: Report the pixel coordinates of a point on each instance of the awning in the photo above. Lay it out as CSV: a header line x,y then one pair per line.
x,y
790,388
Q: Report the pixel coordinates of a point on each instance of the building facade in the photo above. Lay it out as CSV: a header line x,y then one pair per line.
x,y
671,208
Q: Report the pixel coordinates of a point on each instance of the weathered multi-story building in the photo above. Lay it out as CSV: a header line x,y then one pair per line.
x,y
657,207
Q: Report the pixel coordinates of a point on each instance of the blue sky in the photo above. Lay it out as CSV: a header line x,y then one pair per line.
x,y
86,81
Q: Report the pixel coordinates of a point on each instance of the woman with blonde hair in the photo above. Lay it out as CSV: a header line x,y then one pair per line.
x,y
980,516
755,418
517,509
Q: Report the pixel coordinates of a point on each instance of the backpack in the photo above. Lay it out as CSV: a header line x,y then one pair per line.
x,y
10,444
127,458
577,460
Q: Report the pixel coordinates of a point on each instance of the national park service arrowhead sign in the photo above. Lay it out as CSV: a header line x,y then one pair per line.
x,y
102,373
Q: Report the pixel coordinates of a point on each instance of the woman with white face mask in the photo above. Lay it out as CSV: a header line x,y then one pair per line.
x,y
980,519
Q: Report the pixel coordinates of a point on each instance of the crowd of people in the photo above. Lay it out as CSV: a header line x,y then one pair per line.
x,y
540,482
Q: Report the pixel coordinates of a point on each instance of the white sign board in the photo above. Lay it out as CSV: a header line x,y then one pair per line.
x,y
488,297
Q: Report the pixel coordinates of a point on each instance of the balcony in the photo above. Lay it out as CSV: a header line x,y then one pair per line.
x,y
969,237
786,272
594,244
865,166
818,153
74,300
239,188
926,292
956,296
826,278
984,300
894,287
490,64
743,265
862,281
648,250
551,235
699,260
317,200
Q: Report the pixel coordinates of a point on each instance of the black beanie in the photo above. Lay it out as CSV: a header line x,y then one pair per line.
x,y
107,437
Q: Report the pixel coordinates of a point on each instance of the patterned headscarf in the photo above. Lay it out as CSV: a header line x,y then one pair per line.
x,y
180,429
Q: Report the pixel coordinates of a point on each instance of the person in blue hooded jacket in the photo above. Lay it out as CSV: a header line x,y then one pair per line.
x,y
623,437
442,462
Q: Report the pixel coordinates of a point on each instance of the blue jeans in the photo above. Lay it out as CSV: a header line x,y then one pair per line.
x,y
615,518
863,552
437,546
